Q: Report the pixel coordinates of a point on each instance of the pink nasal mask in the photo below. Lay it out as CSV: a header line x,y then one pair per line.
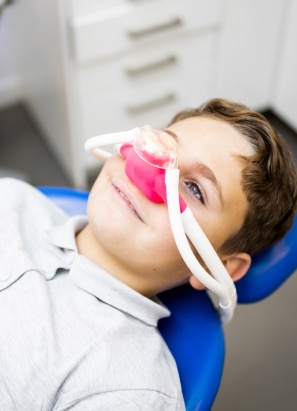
x,y
147,159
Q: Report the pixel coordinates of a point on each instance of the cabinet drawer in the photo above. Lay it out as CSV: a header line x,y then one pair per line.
x,y
123,107
111,31
78,7
151,65
147,97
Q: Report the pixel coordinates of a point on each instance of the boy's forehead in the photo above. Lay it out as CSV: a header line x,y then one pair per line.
x,y
212,130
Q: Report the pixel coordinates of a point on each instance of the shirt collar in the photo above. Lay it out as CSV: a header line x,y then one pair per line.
x,y
63,236
94,280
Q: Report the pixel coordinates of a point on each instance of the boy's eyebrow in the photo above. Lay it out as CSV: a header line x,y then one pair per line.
x,y
204,170
172,134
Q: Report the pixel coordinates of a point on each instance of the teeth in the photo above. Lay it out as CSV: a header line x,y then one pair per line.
x,y
127,200
123,195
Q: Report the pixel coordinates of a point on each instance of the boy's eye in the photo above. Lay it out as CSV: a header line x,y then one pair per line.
x,y
195,189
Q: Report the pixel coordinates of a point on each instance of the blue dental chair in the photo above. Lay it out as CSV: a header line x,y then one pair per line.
x,y
193,332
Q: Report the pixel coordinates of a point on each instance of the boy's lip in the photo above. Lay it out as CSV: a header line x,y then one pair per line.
x,y
124,193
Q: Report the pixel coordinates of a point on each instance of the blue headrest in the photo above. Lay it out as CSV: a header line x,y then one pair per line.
x,y
269,269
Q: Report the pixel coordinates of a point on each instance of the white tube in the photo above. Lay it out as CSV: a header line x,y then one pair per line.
x,y
222,285
172,177
92,144
227,302
205,249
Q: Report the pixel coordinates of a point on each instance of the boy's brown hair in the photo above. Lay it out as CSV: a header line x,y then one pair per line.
x,y
269,178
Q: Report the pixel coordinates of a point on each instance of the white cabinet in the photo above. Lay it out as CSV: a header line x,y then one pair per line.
x,y
113,65
138,62
106,32
249,45
285,87
145,86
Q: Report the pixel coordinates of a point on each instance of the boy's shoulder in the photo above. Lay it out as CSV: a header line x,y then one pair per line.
x,y
12,188
25,199
15,191
26,216
25,212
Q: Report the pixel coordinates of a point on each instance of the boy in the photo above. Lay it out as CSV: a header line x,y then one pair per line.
x,y
78,301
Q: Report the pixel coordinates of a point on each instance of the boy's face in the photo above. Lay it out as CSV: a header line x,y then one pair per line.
x,y
130,236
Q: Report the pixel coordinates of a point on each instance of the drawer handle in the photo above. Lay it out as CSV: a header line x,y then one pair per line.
x,y
152,65
157,28
148,105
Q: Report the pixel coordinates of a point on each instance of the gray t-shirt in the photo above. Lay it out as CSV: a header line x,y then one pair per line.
x,y
71,335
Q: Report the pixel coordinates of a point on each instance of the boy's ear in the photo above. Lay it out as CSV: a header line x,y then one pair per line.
x,y
237,266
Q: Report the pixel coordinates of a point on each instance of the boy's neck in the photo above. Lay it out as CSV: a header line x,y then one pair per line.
x,y
89,246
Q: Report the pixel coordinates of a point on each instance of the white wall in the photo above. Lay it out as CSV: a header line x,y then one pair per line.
x,y
249,44
284,100
10,83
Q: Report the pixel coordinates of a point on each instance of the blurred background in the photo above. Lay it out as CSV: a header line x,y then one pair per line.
x,y
72,69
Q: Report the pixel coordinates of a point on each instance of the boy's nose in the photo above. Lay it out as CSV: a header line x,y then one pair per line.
x,y
148,178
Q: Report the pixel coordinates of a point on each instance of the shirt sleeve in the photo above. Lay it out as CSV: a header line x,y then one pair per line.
x,y
125,400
